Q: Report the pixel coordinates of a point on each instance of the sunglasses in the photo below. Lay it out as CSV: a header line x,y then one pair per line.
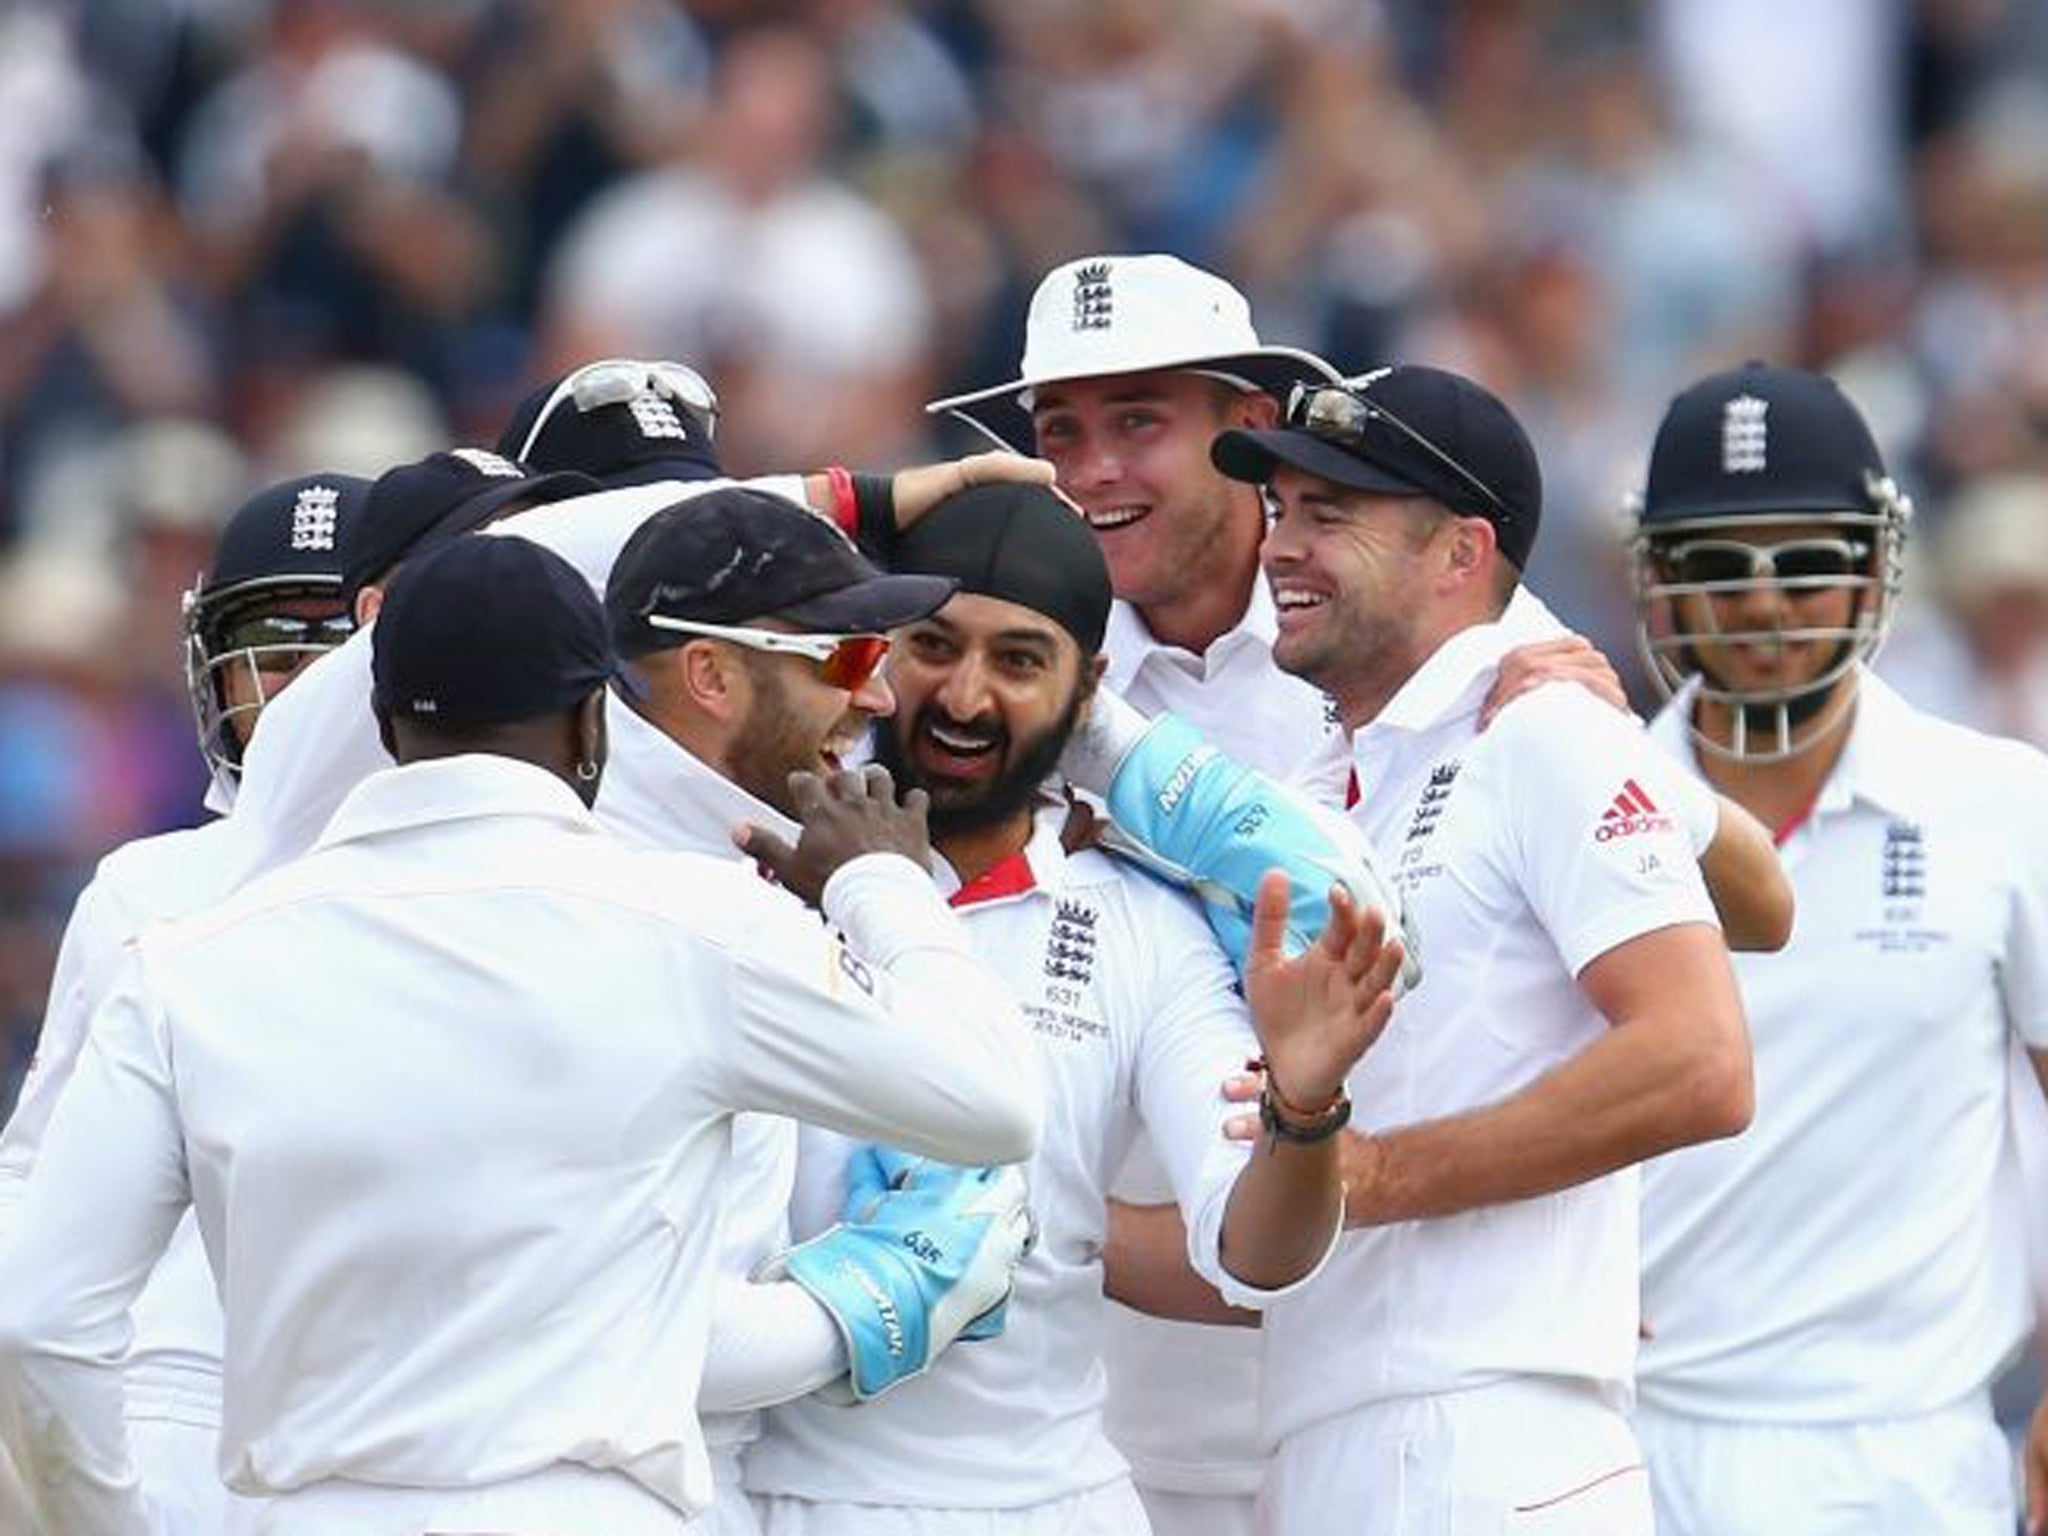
x,y
1340,414
278,638
1718,562
843,661
619,381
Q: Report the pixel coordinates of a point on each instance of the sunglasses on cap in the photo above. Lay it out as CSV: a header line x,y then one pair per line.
x,y
1811,563
843,661
1341,413
621,380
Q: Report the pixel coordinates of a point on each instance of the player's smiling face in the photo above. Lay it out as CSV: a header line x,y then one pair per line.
x,y
1767,646
1348,574
1132,449
987,694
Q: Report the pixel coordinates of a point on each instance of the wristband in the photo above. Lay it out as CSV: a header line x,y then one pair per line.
x,y
1284,1120
874,527
1275,1115
845,502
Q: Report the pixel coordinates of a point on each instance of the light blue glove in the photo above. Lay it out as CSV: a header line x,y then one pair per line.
x,y
873,1172
1187,812
918,1257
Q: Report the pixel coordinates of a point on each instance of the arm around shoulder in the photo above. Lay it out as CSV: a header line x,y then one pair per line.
x,y
1752,895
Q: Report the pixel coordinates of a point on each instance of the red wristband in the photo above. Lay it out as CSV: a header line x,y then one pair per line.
x,y
845,505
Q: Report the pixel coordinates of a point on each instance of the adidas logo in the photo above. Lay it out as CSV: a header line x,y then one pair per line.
x,y
1632,812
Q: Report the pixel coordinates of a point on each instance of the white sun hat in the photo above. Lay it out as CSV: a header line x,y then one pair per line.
x,y
1104,315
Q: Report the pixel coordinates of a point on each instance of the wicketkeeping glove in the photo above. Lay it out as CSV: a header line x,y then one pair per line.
x,y
922,1251
1184,810
873,1172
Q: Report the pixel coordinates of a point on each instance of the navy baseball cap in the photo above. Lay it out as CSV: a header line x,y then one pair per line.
x,y
485,632
735,555
622,420
1405,431
1020,543
416,506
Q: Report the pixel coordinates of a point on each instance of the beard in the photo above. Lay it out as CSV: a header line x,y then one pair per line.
x,y
960,806
774,742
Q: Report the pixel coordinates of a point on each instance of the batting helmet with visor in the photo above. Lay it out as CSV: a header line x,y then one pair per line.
x,y
273,598
1739,456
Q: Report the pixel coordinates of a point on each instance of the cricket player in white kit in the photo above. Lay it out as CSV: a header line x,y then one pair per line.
x,y
269,604
1131,365
1463,1361
462,1199
1135,1012
1828,1297
753,631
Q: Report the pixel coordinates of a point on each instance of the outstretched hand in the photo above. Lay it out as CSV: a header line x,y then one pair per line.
x,y
1317,1015
853,812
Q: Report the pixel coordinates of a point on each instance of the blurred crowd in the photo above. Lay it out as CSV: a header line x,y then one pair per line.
x,y
244,239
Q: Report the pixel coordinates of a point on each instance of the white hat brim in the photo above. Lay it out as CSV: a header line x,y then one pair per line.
x,y
998,412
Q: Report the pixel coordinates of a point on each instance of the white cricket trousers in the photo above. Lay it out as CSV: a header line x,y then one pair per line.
x,y
1198,1514
1935,1474
1532,1456
1111,1510
177,1467
732,1510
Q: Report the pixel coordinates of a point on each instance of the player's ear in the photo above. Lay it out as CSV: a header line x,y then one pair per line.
x,y
592,744
1469,549
711,677
1255,410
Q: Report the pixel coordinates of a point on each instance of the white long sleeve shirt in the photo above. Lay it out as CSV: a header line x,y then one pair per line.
x,y
1183,1397
173,1367
1135,1013
656,796
453,1096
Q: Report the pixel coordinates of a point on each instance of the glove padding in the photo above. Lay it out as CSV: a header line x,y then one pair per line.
x,y
874,1171
1201,820
921,1252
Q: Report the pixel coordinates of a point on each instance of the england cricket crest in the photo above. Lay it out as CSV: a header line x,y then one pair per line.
x,y
1745,435
1422,821
313,516
1092,299
1070,943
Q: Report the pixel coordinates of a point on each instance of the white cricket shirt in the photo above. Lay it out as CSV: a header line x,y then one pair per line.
x,y
1136,1018
452,1096
173,1365
1854,1254
1524,854
1183,1397
656,795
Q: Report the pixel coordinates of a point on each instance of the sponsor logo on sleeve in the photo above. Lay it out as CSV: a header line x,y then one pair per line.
x,y
1631,813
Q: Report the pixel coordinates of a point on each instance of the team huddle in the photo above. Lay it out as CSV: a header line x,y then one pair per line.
x,y
1138,981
